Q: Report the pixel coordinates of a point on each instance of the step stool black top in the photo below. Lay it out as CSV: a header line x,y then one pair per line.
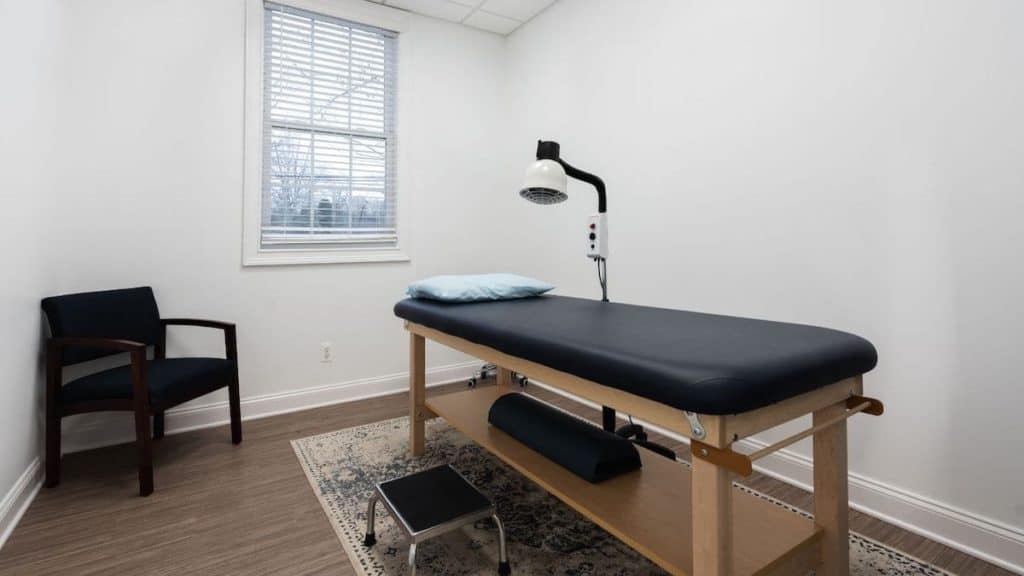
x,y
432,497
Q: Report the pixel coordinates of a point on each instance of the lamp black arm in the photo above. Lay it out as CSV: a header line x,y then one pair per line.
x,y
602,201
548,150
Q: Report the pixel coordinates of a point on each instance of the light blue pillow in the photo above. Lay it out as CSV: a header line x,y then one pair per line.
x,y
477,287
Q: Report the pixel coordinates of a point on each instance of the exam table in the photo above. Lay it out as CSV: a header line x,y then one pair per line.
x,y
714,379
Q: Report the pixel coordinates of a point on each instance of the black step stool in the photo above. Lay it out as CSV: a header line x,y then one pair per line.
x,y
431,503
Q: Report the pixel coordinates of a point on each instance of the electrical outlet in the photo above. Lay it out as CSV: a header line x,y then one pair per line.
x,y
326,353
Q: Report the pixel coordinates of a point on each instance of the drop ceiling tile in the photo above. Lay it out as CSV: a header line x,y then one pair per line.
x,y
521,10
444,9
491,22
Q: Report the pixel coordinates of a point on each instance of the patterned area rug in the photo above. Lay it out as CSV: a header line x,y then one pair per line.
x,y
545,536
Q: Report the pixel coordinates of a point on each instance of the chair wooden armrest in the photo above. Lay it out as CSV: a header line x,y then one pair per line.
x,y
58,343
230,340
54,367
197,322
230,351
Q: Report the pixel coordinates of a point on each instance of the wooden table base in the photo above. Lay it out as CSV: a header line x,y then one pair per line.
x,y
689,523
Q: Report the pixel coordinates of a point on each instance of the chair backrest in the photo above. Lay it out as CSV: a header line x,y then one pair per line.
x,y
129,314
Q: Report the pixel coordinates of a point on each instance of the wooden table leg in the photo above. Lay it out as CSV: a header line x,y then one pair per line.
x,y
712,519
504,380
831,492
417,392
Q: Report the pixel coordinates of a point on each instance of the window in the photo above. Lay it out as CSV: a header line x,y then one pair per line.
x,y
327,168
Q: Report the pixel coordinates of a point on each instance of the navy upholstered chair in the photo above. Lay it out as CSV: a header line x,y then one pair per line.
x,y
92,325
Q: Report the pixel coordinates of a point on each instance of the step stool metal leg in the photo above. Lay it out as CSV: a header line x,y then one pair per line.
x,y
504,568
371,516
412,559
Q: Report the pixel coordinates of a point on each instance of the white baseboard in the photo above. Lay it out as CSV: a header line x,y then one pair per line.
x,y
18,498
110,429
973,534
970,533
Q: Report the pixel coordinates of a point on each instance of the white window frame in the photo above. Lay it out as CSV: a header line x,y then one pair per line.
x,y
253,253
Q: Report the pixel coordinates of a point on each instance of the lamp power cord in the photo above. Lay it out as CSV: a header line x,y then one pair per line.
x,y
602,277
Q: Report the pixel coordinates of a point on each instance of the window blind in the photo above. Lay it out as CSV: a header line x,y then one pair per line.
x,y
328,131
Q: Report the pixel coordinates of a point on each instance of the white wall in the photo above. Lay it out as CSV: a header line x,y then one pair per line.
x,y
29,38
151,184
848,164
143,185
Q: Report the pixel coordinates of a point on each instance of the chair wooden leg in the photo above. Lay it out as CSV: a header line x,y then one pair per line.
x,y
52,448
235,401
144,451
158,425
53,414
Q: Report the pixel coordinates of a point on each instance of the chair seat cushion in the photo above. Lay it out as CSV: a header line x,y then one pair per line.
x,y
170,380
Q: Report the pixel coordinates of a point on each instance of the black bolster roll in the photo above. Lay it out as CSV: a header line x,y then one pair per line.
x,y
583,449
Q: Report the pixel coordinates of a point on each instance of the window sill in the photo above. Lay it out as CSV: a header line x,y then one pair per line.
x,y
303,257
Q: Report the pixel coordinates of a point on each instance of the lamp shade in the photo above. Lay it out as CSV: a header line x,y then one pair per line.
x,y
545,183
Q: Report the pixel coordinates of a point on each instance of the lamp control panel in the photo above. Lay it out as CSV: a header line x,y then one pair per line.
x,y
597,236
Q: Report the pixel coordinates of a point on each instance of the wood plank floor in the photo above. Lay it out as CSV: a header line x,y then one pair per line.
x,y
222,509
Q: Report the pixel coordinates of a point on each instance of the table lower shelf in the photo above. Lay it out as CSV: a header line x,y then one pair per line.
x,y
648,509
